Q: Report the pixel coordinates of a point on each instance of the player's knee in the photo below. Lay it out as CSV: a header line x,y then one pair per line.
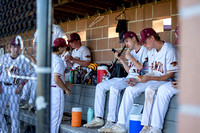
x,y
163,90
129,89
114,89
100,87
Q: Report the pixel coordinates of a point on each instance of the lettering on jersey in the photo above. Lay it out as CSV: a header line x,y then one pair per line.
x,y
88,56
131,64
156,65
175,63
16,71
136,70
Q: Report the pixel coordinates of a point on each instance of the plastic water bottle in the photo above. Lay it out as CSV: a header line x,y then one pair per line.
x,y
90,114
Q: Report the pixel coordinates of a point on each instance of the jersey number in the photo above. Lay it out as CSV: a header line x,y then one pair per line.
x,y
15,81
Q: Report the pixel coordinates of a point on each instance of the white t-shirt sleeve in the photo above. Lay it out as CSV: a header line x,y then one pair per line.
x,y
59,32
171,60
59,69
86,54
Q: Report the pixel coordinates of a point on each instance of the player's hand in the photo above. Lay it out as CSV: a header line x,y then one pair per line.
x,y
19,89
175,84
67,57
116,56
131,81
128,56
145,79
68,92
1,89
28,54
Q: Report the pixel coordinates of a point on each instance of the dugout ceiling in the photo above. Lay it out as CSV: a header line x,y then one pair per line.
x,y
66,10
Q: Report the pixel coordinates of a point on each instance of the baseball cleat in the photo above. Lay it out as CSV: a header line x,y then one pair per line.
x,y
106,126
96,122
145,129
116,128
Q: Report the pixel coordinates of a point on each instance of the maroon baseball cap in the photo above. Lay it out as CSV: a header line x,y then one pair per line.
x,y
145,33
129,34
59,42
15,42
73,37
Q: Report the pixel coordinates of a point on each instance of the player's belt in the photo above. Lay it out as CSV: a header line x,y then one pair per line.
x,y
7,84
53,86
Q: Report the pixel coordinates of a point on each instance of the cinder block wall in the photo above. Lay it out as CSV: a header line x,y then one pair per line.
x,y
139,17
97,39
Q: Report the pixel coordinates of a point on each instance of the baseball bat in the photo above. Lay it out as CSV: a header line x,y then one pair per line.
x,y
119,54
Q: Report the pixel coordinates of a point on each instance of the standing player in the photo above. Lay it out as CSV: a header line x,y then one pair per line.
x,y
10,88
81,56
135,58
57,84
57,32
158,104
160,56
29,90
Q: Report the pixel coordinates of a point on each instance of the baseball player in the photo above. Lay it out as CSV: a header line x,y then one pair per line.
x,y
57,84
57,32
81,55
157,102
135,59
29,91
10,87
160,56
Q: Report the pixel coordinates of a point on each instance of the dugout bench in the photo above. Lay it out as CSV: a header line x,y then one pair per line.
x,y
83,96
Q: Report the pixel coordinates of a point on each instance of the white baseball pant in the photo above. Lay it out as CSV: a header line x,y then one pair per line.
x,y
129,96
26,90
9,95
29,91
115,85
160,105
57,108
33,91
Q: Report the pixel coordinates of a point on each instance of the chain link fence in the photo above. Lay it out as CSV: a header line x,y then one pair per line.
x,y
17,66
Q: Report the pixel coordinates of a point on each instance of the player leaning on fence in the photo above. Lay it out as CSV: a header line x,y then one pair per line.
x,y
11,87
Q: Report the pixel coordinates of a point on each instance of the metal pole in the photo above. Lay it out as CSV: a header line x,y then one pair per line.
x,y
44,25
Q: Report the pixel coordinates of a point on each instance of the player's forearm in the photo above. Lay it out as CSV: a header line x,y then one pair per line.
x,y
136,63
60,83
126,67
81,63
162,78
31,58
